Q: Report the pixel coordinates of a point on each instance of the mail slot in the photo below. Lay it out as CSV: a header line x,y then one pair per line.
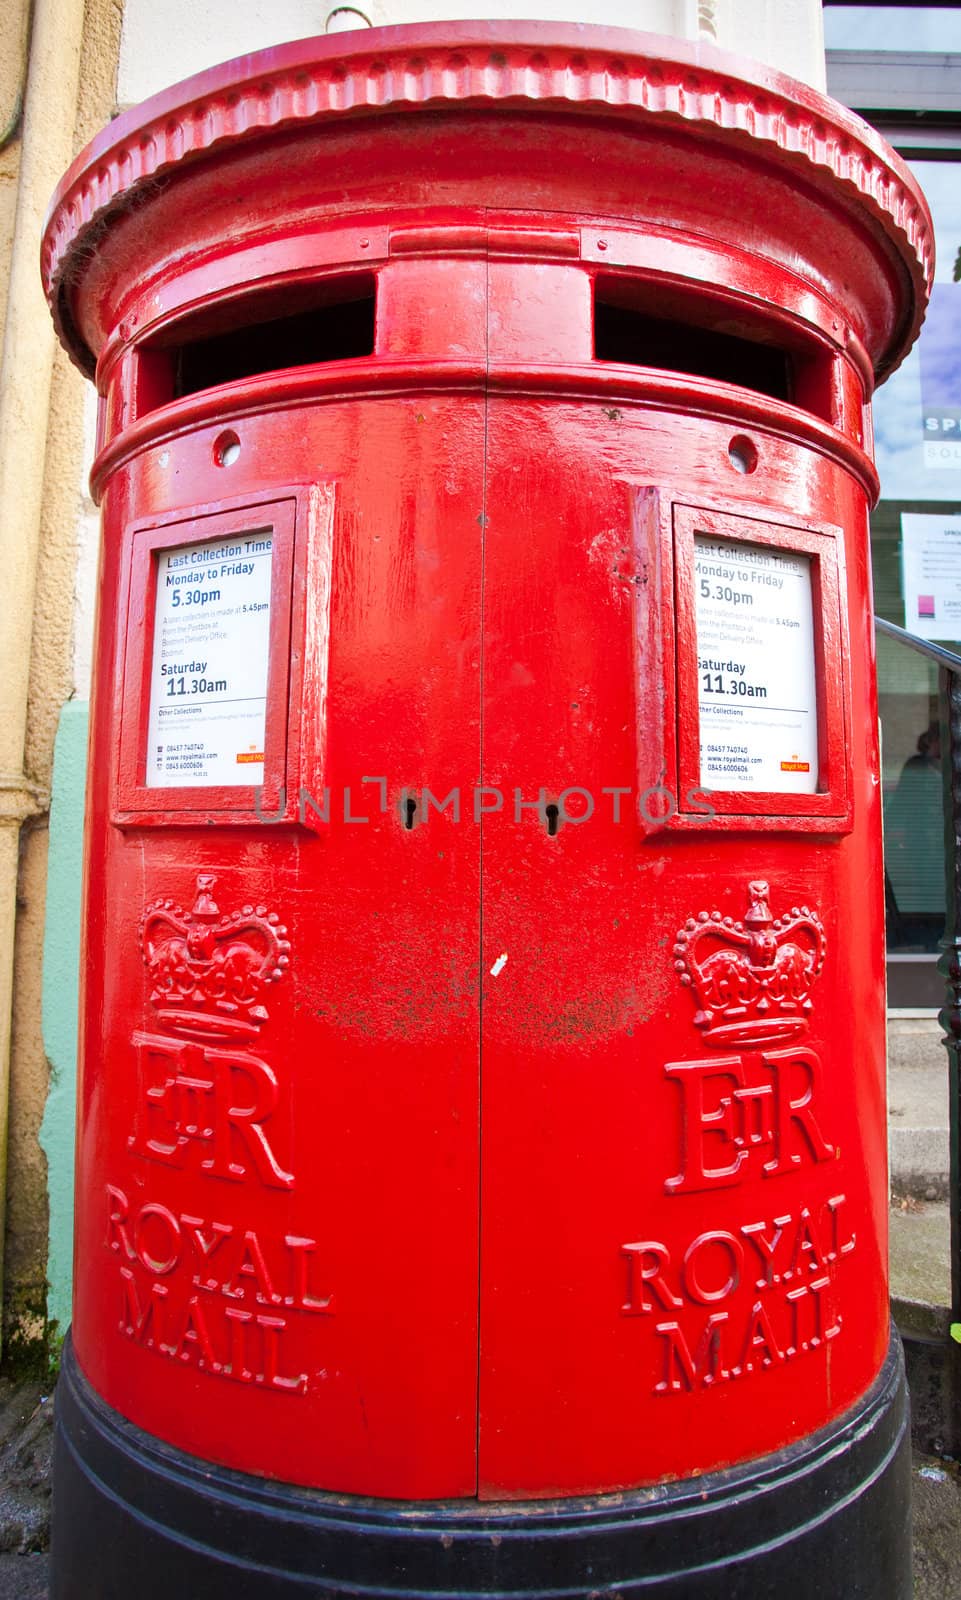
x,y
482,1136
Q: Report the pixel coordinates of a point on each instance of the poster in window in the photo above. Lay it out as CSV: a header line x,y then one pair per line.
x,y
931,574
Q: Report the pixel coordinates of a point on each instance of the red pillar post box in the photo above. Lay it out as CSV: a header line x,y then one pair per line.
x,y
481,1152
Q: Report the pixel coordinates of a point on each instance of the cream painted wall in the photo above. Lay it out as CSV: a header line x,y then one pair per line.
x,y
169,40
14,36
87,552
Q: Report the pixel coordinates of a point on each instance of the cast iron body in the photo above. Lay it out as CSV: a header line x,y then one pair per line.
x,y
423,1153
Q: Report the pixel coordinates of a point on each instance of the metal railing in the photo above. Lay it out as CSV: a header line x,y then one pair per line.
x,y
949,965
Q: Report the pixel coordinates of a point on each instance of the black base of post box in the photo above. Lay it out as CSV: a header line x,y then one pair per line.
x,y
828,1518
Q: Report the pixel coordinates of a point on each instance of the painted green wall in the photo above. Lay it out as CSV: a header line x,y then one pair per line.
x,y
61,968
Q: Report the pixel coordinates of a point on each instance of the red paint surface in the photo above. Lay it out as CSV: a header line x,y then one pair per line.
x,y
433,1230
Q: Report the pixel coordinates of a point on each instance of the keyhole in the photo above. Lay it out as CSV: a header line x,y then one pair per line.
x,y
552,814
410,811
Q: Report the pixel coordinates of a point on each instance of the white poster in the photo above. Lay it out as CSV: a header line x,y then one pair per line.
x,y
756,681
208,684
931,574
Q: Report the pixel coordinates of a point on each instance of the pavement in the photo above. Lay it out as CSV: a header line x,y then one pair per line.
x,y
917,1108
26,1444
936,1504
920,1290
919,1161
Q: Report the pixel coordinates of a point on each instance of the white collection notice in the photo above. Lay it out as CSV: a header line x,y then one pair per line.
x,y
208,683
756,681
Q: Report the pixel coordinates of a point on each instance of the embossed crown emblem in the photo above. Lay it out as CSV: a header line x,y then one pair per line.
x,y
208,972
752,980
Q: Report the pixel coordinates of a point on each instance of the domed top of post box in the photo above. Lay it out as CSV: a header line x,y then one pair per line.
x,y
875,260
